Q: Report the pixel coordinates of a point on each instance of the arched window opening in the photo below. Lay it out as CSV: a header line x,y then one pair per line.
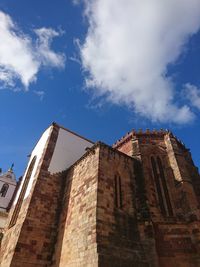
x,y
22,193
164,185
4,190
158,187
118,192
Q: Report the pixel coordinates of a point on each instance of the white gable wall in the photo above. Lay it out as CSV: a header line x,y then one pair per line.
x,y
38,152
69,148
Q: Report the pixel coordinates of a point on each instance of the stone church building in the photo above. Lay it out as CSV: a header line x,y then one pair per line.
x,y
85,204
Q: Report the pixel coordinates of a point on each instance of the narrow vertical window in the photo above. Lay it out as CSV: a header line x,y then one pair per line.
x,y
4,190
118,192
158,187
22,193
164,185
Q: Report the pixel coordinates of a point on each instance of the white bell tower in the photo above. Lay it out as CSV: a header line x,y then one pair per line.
x,y
7,188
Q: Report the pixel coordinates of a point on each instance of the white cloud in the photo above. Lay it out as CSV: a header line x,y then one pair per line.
x,y
128,48
6,76
20,57
192,93
46,55
40,94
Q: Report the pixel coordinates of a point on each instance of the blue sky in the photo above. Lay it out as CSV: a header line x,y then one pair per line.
x,y
99,68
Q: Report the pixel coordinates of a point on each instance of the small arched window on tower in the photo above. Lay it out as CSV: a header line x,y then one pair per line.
x,y
22,193
118,192
4,190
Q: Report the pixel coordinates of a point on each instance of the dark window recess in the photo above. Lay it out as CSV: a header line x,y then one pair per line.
x,y
164,185
158,187
4,190
118,192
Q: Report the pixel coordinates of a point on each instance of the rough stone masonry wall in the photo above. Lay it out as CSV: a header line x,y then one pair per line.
x,y
177,244
118,237
76,244
30,241
152,146
187,201
37,239
176,237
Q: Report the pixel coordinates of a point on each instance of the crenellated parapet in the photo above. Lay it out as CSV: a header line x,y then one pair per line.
x,y
140,133
134,134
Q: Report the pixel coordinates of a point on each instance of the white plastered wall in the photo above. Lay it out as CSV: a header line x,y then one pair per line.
x,y
4,201
38,152
69,148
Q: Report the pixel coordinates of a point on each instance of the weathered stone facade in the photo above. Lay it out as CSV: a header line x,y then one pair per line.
x,y
136,204
171,192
